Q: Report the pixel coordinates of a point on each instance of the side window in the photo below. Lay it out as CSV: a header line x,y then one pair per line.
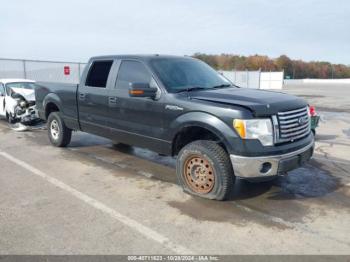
x,y
98,74
132,72
2,89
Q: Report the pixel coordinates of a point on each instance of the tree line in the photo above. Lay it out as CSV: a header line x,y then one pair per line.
x,y
293,69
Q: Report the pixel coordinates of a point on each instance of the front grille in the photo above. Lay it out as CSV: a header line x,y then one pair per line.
x,y
292,125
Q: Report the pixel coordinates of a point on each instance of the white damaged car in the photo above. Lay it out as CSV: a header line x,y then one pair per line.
x,y
17,102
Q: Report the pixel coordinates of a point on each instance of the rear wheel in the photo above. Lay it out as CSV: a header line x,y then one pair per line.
x,y
59,134
204,169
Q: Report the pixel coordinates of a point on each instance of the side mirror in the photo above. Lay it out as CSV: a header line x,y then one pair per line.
x,y
142,90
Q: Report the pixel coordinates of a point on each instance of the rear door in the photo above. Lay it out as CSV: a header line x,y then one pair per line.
x,y
92,97
2,100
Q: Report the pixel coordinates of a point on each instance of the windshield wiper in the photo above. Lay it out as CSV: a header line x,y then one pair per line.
x,y
222,86
196,88
192,88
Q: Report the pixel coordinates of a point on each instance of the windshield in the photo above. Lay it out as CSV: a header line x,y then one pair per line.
x,y
180,74
21,85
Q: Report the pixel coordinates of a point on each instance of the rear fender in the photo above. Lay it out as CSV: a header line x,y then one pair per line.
x,y
52,98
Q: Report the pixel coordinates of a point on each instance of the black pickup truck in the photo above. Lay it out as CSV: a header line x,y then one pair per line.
x,y
180,106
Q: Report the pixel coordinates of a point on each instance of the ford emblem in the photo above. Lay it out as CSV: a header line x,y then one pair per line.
x,y
302,120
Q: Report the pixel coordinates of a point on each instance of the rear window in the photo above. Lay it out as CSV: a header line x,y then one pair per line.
x,y
98,74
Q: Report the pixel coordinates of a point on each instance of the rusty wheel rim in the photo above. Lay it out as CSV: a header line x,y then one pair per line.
x,y
199,174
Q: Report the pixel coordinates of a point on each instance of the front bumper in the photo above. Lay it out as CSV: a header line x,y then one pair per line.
x,y
268,166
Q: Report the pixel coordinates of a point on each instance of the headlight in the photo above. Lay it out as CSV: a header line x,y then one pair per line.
x,y
23,104
260,129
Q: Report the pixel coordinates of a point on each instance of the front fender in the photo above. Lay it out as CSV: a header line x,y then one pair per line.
x,y
207,121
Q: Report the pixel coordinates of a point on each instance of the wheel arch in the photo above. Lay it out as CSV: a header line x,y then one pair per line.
x,y
200,126
52,103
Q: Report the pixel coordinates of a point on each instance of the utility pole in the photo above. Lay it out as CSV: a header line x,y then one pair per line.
x,y
24,69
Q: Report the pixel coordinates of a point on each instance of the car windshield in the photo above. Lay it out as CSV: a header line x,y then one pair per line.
x,y
185,74
21,85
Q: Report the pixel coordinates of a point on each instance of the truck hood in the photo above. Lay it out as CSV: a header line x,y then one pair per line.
x,y
28,94
260,102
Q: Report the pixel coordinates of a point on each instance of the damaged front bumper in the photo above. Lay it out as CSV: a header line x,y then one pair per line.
x,y
269,166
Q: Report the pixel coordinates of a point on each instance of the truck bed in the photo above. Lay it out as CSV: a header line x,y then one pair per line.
x,y
64,96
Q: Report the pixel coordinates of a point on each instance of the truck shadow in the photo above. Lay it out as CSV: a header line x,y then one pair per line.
x,y
244,189
291,198
279,203
311,181
305,182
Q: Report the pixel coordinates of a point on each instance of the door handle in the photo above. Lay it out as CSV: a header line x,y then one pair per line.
x,y
112,100
82,96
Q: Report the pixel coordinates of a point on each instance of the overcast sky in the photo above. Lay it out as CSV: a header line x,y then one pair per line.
x,y
74,30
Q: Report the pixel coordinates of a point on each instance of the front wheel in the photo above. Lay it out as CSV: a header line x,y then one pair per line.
x,y
59,134
204,169
10,119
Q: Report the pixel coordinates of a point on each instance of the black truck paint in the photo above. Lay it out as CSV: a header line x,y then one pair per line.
x,y
168,121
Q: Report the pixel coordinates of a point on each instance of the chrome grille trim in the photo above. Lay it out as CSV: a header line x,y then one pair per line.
x,y
295,133
291,125
284,131
292,116
287,126
292,111
289,121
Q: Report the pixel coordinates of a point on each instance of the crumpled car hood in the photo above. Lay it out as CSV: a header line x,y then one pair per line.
x,y
28,94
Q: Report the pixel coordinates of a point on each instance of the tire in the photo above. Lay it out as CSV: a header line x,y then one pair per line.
x,y
210,171
9,119
59,134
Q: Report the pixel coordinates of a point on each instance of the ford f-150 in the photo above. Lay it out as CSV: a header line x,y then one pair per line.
x,y
182,107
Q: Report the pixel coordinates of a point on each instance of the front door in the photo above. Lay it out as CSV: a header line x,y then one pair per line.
x,y
136,120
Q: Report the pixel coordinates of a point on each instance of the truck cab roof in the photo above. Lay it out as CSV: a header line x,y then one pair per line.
x,y
144,57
